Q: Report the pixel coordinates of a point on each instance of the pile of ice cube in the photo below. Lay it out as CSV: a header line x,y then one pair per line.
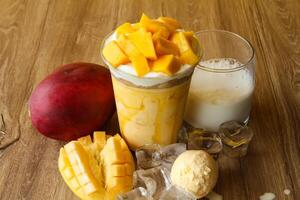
x,y
152,178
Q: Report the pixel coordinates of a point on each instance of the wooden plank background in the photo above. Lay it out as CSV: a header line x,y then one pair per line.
x,y
37,36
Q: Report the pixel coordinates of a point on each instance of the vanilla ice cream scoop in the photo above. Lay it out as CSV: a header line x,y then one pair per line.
x,y
195,171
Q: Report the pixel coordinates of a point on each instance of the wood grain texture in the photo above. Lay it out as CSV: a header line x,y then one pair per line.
x,y
37,36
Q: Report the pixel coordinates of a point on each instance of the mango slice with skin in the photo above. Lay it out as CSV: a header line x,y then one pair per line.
x,y
187,55
168,64
114,54
143,41
164,47
154,26
138,60
86,167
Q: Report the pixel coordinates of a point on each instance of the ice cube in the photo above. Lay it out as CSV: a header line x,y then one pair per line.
x,y
207,141
139,193
235,138
176,193
148,156
154,180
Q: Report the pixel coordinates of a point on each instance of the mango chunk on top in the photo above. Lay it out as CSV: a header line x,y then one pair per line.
x,y
187,55
114,54
171,23
138,60
168,64
154,26
164,47
125,29
143,41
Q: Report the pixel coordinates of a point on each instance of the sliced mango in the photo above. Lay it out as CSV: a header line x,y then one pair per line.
x,y
187,55
114,54
143,41
164,47
138,60
82,171
124,29
154,26
167,64
172,24
136,26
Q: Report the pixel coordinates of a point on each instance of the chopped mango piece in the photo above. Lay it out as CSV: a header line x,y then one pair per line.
x,y
143,41
167,64
164,47
124,29
114,54
159,34
99,138
136,26
187,55
154,26
138,60
172,24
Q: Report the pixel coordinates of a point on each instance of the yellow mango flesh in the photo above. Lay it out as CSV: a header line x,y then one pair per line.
x,y
114,54
154,26
187,55
167,64
82,172
124,29
143,41
171,23
138,60
164,47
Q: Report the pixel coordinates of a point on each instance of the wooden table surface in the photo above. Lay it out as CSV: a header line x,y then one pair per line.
x,y
37,36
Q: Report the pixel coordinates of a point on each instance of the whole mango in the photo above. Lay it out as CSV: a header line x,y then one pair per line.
x,y
73,101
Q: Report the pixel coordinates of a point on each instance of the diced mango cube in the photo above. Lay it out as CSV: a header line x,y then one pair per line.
x,y
143,41
114,54
99,138
118,170
138,60
136,26
164,47
154,26
171,23
124,29
159,34
167,64
187,55
86,140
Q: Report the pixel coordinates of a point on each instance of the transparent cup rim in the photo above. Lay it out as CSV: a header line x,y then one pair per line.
x,y
222,70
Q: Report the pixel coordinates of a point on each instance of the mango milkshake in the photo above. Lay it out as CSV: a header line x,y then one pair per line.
x,y
151,63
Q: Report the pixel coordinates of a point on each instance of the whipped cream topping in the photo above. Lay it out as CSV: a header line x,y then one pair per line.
x,y
150,79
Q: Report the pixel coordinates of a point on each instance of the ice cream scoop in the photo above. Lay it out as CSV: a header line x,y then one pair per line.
x,y
195,171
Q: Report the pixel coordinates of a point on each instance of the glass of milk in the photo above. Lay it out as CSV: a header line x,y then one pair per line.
x,y
223,82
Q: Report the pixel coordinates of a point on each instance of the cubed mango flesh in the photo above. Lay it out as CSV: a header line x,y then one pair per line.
x,y
143,41
138,60
114,54
124,29
164,47
187,55
172,24
154,26
83,173
168,64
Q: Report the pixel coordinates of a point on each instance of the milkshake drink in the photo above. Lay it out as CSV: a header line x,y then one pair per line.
x,y
217,98
223,82
151,101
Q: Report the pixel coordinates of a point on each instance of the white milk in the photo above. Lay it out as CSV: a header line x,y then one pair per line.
x,y
215,98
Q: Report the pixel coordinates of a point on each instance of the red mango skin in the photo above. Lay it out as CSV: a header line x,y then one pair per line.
x,y
73,101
